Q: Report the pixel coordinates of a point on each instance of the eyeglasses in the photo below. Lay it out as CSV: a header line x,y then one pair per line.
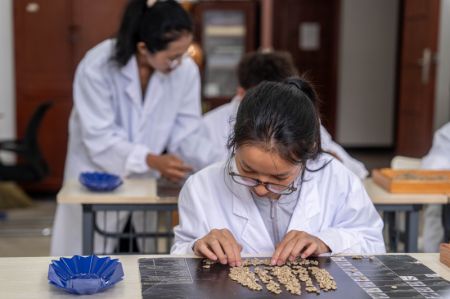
x,y
271,187
174,62
251,182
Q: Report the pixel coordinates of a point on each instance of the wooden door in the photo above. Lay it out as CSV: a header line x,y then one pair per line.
x,y
290,19
417,74
50,39
94,21
43,67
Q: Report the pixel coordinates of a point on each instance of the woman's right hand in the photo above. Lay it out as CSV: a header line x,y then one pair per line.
x,y
169,166
219,244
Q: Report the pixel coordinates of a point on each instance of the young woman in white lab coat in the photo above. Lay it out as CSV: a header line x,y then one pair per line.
x,y
135,97
278,194
254,68
438,158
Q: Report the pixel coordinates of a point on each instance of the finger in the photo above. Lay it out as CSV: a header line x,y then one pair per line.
x,y
280,246
235,260
176,162
175,174
311,249
229,251
202,249
183,167
286,252
217,249
298,248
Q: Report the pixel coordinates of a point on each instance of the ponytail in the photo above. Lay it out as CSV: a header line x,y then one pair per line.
x,y
156,23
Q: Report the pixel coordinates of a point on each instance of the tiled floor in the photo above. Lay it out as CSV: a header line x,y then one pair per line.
x,y
27,232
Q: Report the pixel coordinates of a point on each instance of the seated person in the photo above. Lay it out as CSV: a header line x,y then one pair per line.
x,y
438,158
254,68
278,193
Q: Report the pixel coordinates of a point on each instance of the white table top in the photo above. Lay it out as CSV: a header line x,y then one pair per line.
x,y
26,277
134,191
144,191
381,196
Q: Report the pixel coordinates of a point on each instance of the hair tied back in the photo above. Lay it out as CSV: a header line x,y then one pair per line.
x,y
150,3
294,81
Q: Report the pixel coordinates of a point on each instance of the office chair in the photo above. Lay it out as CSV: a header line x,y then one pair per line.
x,y
30,165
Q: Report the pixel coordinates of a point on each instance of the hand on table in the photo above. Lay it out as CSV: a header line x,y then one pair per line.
x,y
219,244
297,243
170,166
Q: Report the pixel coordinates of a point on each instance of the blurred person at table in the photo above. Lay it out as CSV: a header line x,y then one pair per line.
x,y
256,67
136,113
278,193
438,158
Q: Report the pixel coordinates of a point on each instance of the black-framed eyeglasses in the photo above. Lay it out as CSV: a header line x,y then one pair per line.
x,y
271,187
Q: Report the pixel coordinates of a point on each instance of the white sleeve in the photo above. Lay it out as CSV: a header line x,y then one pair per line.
x,y
188,139
192,225
357,226
106,142
351,163
439,155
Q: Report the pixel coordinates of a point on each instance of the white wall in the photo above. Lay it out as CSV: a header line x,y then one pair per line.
x,y
366,78
442,104
7,95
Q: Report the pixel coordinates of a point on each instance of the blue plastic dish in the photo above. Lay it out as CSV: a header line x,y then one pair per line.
x,y
100,181
85,275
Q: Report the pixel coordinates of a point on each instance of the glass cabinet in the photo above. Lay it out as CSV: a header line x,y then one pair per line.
x,y
225,31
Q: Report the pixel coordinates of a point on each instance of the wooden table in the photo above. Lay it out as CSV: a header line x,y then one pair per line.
x,y
132,195
411,204
26,277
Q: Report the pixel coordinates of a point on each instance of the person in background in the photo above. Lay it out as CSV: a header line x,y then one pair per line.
x,y
136,112
254,68
277,193
438,158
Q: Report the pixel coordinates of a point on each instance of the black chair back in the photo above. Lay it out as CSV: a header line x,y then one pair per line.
x,y
33,154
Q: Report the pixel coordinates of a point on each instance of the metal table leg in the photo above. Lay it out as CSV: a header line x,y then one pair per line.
x,y
412,231
412,222
88,229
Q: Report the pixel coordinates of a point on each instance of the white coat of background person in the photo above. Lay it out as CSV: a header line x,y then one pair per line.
x,y
277,193
438,158
131,103
254,68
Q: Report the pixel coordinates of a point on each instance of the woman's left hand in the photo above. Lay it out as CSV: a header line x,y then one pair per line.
x,y
295,243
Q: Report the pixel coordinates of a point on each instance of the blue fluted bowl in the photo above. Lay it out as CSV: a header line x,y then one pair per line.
x,y
85,274
100,181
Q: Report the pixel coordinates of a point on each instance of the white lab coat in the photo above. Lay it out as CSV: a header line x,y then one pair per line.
x,y
218,125
437,158
333,205
112,127
351,163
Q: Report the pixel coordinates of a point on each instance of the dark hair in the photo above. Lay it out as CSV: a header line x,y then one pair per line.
x,y
282,117
156,26
256,67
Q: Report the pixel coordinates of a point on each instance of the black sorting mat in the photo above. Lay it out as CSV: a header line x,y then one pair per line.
x,y
355,278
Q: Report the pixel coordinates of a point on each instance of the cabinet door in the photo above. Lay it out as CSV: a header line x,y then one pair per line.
x,y
225,30
43,67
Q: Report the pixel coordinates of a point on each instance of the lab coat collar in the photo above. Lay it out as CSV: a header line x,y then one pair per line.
x,y
307,207
254,228
254,232
133,88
